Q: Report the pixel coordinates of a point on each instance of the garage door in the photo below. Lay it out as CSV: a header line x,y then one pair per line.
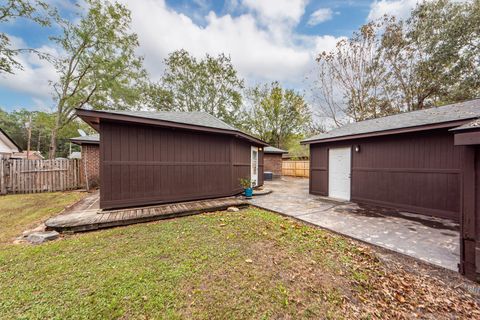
x,y
339,173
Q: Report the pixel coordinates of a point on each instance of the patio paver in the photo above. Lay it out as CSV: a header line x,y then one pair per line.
x,y
426,238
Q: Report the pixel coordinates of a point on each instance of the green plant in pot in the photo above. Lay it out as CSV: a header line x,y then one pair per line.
x,y
246,183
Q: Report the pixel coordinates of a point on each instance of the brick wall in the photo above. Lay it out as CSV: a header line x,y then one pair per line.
x,y
273,163
91,158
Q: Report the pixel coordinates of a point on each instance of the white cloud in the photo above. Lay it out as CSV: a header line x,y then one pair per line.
x,y
36,74
326,43
271,11
259,54
260,50
320,15
398,8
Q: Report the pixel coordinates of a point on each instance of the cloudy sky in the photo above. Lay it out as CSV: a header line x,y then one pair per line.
x,y
267,40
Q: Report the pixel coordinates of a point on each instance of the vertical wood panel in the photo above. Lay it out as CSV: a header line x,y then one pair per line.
x,y
469,216
296,168
3,189
32,176
166,165
417,172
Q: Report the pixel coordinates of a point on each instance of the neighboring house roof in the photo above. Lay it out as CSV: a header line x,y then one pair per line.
x,y
23,155
444,116
271,149
9,141
198,120
475,124
91,139
75,155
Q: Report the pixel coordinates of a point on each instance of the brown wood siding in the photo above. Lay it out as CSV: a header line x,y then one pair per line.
x,y
318,169
418,172
467,138
143,165
261,161
477,196
241,162
469,217
475,276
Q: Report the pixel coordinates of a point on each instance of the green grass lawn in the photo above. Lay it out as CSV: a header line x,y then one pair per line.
x,y
250,264
19,212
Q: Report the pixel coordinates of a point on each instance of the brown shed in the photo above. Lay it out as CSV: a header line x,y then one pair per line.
x,y
161,157
272,160
412,161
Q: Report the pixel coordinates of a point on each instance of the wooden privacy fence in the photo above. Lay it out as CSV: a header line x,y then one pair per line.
x,y
296,168
31,176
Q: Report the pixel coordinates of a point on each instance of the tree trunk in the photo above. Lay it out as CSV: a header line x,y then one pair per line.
x,y
53,144
29,140
53,138
38,141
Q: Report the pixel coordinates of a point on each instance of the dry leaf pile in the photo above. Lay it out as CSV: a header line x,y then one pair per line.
x,y
391,292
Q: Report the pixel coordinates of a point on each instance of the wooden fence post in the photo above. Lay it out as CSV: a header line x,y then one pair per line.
x,y
296,168
3,187
32,176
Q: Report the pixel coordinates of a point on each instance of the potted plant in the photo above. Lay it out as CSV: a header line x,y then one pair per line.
x,y
246,183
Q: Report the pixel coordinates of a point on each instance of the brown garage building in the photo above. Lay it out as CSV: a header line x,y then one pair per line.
x,y
272,160
161,157
424,161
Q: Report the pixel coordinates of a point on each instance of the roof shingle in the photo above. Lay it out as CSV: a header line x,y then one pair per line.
x,y
453,112
271,149
90,138
475,124
197,118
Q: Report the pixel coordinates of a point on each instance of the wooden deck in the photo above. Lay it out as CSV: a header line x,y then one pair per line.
x,y
94,219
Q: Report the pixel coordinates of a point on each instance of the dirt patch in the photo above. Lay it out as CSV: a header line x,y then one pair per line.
x,y
272,281
91,201
296,268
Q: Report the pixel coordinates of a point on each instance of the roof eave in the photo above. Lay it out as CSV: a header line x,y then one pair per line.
x,y
93,117
465,128
448,124
80,141
11,140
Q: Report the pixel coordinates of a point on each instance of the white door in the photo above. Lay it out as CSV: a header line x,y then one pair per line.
x,y
339,173
254,167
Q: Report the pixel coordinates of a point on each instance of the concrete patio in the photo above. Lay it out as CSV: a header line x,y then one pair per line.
x,y
429,239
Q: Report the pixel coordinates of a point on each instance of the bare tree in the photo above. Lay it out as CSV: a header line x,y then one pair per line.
x,y
329,98
391,66
351,78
